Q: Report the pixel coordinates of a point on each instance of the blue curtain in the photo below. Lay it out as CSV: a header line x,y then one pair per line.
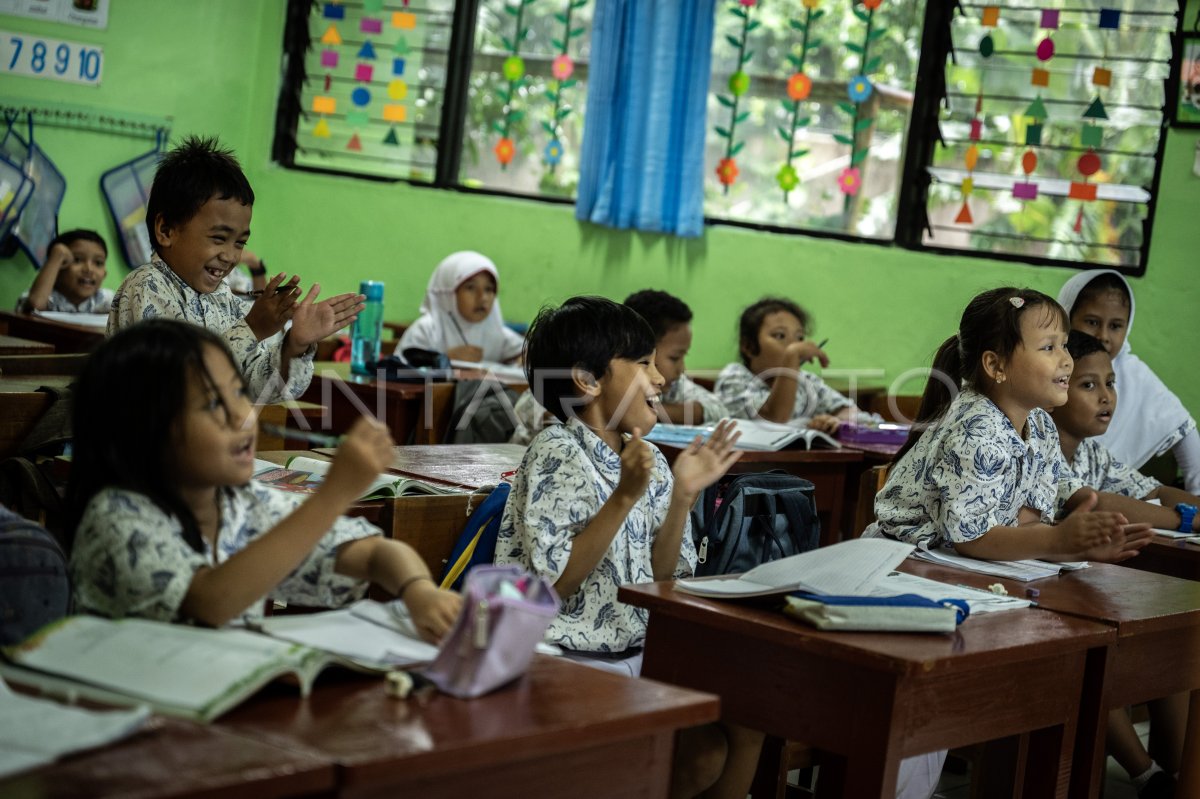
x,y
642,159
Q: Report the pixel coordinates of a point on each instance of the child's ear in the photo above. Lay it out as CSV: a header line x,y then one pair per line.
x,y
993,367
585,382
162,231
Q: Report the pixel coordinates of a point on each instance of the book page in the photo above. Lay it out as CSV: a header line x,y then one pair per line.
x,y
978,600
384,485
1021,570
352,633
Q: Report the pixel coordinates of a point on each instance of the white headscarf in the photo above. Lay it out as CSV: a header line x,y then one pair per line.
x,y
1149,416
441,327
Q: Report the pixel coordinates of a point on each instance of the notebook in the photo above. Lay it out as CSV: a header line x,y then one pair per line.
x,y
304,475
757,435
1024,571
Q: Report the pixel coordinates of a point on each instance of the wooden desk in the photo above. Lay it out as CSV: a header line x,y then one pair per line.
x,y
1156,652
179,759
563,730
12,345
57,365
65,337
417,410
869,700
1169,556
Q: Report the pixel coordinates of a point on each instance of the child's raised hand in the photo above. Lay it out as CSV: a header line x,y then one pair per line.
x,y
825,423
364,452
801,352
1086,530
433,609
313,321
702,464
637,462
59,256
273,307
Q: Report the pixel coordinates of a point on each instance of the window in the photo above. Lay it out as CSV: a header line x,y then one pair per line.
x,y
1025,130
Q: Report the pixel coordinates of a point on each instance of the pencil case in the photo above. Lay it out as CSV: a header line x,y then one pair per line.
x,y
904,613
881,433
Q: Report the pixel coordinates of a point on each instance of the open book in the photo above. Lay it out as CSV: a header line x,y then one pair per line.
x,y
96,321
304,475
189,672
757,435
1020,570
849,567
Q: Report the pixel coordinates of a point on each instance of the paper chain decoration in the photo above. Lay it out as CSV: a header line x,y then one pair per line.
x,y
362,96
739,84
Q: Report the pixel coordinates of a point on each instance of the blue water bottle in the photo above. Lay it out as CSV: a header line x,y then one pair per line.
x,y
368,329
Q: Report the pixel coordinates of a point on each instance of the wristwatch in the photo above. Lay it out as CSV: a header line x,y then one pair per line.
x,y
1186,514
262,269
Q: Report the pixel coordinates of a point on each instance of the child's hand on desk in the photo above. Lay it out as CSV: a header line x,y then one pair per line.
x,y
364,453
825,423
637,462
1101,535
801,352
465,353
313,321
701,465
1124,545
433,609
273,307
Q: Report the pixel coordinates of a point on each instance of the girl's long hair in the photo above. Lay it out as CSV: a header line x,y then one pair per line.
x,y
127,402
991,322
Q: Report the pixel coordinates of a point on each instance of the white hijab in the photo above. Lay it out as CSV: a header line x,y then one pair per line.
x,y
1148,416
444,327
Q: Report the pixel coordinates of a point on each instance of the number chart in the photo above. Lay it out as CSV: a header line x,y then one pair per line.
x,y
50,59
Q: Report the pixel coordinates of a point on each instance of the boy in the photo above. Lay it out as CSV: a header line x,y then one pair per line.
x,y
69,281
683,402
594,506
1091,402
198,217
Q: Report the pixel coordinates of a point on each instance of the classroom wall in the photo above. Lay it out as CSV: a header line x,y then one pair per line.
x,y
213,67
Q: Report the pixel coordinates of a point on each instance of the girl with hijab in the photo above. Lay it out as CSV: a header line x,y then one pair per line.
x,y
460,314
1150,419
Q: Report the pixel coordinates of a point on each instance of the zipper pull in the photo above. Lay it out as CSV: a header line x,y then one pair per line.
x,y
481,625
703,554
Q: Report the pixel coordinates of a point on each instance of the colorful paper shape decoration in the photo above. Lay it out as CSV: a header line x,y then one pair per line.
x,y
394,112
329,58
404,20
1110,18
357,119
964,215
1091,136
976,129
1049,19
1089,163
334,11
360,97
1041,77
972,157
1029,161
1078,228
1082,191
1045,49
1036,109
1025,191
321,129
324,105
990,17
987,46
1095,110
363,72
397,90
331,37
1101,77
968,186
397,66
401,46
371,25
367,52
1033,135
391,138
355,143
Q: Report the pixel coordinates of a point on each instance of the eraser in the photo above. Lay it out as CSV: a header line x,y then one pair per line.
x,y
1032,593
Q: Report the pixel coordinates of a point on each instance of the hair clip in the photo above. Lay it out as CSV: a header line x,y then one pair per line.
x,y
1017,302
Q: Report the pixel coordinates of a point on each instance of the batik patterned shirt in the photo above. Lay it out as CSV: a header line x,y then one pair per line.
x,y
686,390
130,558
566,475
1098,469
972,472
99,302
744,392
155,291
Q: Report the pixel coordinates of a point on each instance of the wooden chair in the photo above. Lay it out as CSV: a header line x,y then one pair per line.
x,y
869,484
777,759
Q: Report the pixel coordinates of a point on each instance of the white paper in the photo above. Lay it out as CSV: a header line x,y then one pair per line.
x,y
979,600
1021,570
93,320
366,632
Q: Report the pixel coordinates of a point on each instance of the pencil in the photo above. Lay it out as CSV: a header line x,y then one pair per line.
x,y
317,439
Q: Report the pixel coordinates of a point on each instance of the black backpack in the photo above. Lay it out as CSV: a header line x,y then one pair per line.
x,y
35,588
751,519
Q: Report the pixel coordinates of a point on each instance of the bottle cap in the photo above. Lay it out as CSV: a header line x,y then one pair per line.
x,y
373,289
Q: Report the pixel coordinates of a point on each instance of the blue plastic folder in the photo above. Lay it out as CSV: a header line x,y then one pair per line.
x,y
901,613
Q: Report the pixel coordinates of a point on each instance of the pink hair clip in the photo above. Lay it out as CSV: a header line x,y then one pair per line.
x,y
1017,302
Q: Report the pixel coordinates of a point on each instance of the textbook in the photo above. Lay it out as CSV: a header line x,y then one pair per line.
x,y
852,567
304,475
188,672
1023,571
757,435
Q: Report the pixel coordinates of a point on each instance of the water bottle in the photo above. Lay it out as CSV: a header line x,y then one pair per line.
x,y
368,329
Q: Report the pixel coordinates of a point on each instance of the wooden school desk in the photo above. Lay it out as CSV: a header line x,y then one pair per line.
x,y
563,730
1156,652
869,700
1169,556
65,337
12,345
417,410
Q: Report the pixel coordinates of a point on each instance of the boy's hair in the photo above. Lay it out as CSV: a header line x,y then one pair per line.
x,y
1081,345
661,310
191,175
991,322
584,332
1101,284
127,401
752,320
78,234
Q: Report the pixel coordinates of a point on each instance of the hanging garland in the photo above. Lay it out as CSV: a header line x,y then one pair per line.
x,y
514,73
739,84
561,68
799,87
859,90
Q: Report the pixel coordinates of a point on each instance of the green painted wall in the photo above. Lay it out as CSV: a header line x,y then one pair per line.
x,y
213,66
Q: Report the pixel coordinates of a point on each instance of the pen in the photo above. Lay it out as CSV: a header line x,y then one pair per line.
x,y
278,290
821,346
319,439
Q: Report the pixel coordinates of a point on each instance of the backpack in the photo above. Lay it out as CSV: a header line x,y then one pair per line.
x,y
477,542
35,588
752,519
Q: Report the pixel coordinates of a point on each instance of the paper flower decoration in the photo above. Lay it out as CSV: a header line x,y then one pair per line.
x,y
871,5
850,180
860,88
562,67
811,3
749,3
739,82
799,86
514,67
553,152
727,171
504,151
787,178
